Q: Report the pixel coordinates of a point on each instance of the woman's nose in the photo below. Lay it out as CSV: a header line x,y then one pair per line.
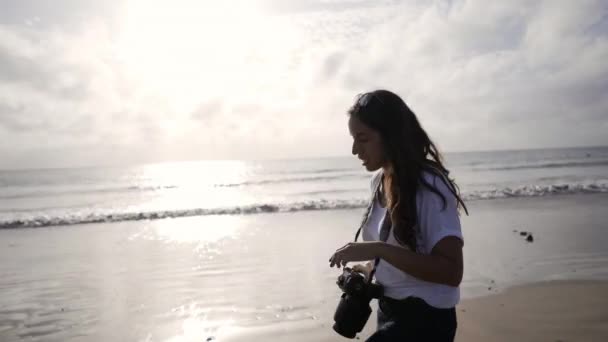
x,y
354,149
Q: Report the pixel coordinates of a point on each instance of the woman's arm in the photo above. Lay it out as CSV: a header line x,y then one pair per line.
x,y
444,265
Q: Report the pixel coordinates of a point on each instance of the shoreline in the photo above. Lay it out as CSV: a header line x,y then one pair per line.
x,y
263,209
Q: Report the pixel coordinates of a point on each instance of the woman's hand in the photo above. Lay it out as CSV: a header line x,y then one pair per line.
x,y
354,251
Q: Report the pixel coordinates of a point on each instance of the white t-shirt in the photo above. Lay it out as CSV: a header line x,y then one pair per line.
x,y
434,223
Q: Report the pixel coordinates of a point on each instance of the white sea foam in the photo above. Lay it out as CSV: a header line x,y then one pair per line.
x,y
30,220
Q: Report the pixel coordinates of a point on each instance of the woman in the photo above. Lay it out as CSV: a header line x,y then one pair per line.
x,y
415,207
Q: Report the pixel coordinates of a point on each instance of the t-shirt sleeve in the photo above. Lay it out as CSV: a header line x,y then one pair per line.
x,y
436,221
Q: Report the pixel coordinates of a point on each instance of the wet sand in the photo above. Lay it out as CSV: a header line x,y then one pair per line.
x,y
266,277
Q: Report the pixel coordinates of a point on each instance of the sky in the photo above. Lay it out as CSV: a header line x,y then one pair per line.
x,y
86,82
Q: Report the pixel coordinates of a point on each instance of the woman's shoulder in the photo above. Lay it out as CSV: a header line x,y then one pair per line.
x,y
438,181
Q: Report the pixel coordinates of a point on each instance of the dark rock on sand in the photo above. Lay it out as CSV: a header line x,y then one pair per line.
x,y
530,238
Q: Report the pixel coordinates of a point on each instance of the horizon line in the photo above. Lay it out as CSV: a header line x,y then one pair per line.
x,y
283,158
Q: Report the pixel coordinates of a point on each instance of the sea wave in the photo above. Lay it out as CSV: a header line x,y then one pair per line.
x,y
50,192
550,165
46,221
78,191
321,204
318,171
537,191
295,180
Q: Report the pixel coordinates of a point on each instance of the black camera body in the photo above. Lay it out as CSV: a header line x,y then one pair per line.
x,y
353,310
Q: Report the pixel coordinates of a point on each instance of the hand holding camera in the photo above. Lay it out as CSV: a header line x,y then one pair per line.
x,y
353,310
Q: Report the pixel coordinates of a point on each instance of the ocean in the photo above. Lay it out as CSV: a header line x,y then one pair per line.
x,y
62,197
238,251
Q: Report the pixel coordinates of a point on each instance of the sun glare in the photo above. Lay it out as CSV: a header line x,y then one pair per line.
x,y
184,48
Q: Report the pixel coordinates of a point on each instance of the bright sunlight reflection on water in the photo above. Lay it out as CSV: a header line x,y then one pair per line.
x,y
195,328
195,173
212,229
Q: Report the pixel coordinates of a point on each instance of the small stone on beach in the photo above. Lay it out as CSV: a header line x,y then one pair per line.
x,y
530,238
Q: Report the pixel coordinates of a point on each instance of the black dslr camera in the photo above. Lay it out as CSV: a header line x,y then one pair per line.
x,y
354,310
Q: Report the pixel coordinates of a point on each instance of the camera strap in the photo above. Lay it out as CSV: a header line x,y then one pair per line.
x,y
386,223
384,232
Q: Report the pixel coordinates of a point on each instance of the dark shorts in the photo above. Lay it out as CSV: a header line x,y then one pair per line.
x,y
412,319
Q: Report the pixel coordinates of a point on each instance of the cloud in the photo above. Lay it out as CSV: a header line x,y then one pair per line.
x,y
496,71
277,82
49,83
56,14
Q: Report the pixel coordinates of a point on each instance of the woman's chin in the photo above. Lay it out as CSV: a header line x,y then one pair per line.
x,y
370,167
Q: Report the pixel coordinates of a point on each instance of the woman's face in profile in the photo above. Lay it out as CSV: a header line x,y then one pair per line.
x,y
367,144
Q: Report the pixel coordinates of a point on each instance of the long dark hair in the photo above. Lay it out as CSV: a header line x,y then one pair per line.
x,y
410,153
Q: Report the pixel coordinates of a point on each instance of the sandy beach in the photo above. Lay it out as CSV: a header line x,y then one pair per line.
x,y
553,311
261,277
